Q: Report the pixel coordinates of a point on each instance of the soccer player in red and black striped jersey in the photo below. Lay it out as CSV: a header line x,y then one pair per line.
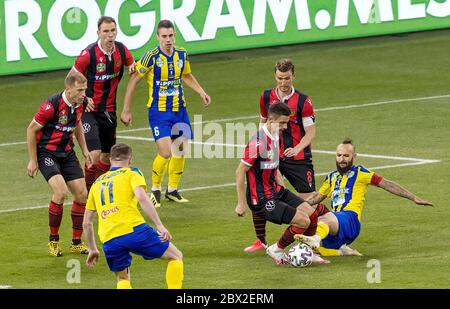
x,y
295,142
102,63
266,197
50,148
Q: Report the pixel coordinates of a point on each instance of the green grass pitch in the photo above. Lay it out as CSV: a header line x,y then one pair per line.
x,y
403,73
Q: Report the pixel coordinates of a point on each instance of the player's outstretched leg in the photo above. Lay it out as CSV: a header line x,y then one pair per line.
x,y
317,259
345,250
311,241
277,254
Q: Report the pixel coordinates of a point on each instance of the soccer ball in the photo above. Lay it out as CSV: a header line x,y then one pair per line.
x,y
300,255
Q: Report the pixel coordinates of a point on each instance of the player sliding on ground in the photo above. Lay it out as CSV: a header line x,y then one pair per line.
x,y
347,187
266,197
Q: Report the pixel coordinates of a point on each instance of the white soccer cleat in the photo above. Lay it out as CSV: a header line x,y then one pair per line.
x,y
311,241
317,259
345,250
277,254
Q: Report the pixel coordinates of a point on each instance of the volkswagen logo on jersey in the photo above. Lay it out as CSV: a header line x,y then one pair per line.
x,y
48,161
270,205
86,127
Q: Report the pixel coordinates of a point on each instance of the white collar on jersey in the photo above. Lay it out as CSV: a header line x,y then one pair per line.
x,y
72,106
266,131
284,99
106,53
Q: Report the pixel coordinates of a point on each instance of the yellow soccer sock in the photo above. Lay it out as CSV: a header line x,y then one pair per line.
x,y
322,230
174,274
328,252
176,169
123,284
159,170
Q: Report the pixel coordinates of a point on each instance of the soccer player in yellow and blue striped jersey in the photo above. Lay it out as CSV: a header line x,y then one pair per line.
x,y
165,68
347,188
122,229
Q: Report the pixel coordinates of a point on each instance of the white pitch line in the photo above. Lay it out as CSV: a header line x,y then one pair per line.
x,y
381,156
257,116
12,144
230,184
325,109
5,286
137,138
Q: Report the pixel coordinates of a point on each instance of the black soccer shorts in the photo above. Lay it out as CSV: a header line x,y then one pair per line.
x,y
281,209
100,130
65,164
300,174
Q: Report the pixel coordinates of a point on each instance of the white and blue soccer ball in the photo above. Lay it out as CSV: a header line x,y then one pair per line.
x,y
300,255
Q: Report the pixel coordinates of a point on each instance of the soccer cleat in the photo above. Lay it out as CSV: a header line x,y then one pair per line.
x,y
257,245
80,248
317,259
311,241
176,197
155,197
54,249
277,254
345,250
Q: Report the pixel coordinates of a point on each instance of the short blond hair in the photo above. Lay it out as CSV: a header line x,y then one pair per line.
x,y
73,77
121,152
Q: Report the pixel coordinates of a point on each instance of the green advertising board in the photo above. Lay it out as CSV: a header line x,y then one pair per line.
x,y
48,34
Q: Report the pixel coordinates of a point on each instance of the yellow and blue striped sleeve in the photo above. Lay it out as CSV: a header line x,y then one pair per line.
x,y
145,64
325,189
137,179
364,175
187,64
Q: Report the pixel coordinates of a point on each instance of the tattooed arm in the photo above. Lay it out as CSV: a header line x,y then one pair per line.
x,y
315,198
398,190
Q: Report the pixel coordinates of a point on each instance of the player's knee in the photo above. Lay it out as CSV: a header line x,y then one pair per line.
x,y
80,194
166,154
325,219
60,194
178,255
301,219
173,253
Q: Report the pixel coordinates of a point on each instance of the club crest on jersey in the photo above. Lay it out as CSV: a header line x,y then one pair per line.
x,y
270,154
350,174
118,63
159,62
101,67
179,63
63,119
142,70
